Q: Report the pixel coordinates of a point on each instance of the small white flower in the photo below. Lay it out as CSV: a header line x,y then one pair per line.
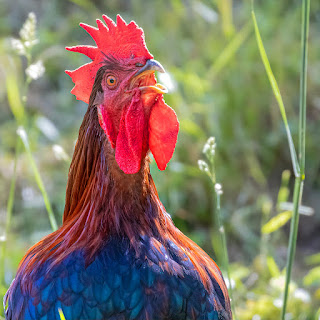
x,y
278,303
278,282
203,166
31,43
36,70
205,12
22,133
18,46
59,153
302,295
206,148
209,148
47,127
211,141
28,30
218,188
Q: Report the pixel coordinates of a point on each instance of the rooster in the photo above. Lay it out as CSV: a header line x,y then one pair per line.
x,y
118,254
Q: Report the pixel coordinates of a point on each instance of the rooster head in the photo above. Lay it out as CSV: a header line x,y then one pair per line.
x,y
130,104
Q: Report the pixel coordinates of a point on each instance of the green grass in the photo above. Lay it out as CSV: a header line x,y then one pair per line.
x,y
298,166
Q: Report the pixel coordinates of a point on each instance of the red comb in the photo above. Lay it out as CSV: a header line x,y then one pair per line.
x,y
120,40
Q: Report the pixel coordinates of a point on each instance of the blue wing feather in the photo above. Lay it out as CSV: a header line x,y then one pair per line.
x,y
160,283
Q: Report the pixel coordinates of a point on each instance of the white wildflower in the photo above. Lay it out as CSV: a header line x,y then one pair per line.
x,y
206,148
205,12
22,133
31,43
28,30
18,46
278,282
218,188
203,166
278,303
209,148
27,36
302,295
212,141
47,127
59,153
35,70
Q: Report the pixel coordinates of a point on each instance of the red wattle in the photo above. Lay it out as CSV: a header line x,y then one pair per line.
x,y
105,120
129,146
163,133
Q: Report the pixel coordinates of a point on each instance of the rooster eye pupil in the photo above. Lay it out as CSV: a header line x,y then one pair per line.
x,y
111,80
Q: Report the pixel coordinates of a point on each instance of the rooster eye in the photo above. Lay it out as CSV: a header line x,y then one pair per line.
x,y
111,80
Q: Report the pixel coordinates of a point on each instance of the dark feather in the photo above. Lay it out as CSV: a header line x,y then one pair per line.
x,y
118,285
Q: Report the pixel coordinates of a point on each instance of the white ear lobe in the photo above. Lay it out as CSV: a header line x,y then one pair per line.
x,y
99,98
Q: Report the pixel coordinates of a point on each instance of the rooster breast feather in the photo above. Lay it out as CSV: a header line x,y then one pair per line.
x,y
159,282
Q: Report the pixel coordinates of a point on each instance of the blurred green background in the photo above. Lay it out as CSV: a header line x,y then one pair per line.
x,y
218,87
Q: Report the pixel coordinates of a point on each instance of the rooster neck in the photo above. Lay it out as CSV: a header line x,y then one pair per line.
x,y
101,198
103,204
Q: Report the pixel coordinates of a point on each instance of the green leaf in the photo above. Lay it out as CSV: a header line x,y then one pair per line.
x,y
277,94
313,277
313,259
14,100
276,222
273,268
284,190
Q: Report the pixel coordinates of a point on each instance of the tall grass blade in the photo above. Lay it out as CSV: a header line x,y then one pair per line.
x,y
298,187
225,8
277,95
218,192
209,150
14,100
9,212
303,83
23,135
229,51
298,190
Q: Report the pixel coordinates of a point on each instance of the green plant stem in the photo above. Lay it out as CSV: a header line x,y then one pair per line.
x,y
225,8
299,181
297,194
225,262
303,83
9,211
52,219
